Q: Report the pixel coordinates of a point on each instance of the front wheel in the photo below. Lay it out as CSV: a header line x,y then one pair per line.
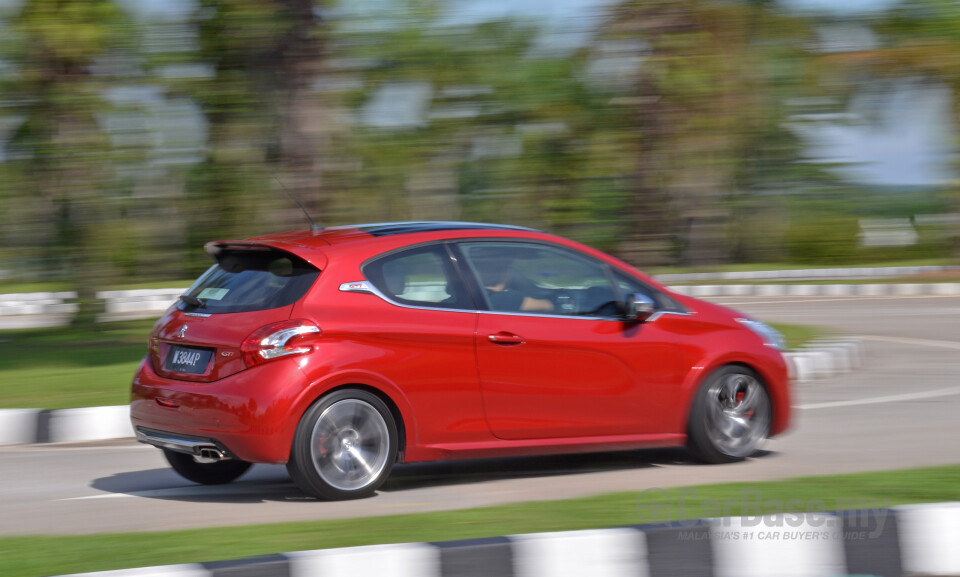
x,y
344,446
730,417
216,473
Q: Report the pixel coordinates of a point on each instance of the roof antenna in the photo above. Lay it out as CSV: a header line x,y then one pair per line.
x,y
314,227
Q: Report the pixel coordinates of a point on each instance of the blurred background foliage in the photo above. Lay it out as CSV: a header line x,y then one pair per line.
x,y
669,132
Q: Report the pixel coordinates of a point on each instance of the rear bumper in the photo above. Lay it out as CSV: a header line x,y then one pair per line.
x,y
250,415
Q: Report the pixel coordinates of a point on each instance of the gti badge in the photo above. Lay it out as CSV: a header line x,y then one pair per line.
x,y
183,331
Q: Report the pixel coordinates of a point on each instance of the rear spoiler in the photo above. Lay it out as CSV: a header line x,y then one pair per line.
x,y
216,249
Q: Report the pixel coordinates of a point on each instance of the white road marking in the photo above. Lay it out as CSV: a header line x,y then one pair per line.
x,y
879,400
101,496
911,341
894,398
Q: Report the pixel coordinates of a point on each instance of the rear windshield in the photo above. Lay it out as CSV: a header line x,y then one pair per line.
x,y
251,280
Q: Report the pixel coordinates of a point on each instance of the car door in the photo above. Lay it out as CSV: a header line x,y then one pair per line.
x,y
554,357
423,340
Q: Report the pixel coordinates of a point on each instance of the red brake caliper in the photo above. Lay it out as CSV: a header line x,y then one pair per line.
x,y
740,397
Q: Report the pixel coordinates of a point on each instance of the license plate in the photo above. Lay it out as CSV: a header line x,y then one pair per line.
x,y
191,360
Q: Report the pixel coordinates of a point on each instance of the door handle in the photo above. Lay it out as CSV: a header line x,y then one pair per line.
x,y
503,338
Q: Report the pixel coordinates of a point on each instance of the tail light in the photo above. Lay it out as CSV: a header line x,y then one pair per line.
x,y
279,340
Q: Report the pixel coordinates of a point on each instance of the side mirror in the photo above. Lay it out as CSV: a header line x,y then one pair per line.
x,y
639,307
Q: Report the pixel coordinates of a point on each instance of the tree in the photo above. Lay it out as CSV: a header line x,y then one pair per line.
x,y
705,98
265,119
495,129
59,150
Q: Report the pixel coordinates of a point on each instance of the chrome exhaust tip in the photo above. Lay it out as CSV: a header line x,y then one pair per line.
x,y
210,455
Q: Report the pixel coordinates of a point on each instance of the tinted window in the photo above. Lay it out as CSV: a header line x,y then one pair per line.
x,y
251,280
526,277
421,276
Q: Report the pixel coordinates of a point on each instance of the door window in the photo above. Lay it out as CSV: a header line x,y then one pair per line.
x,y
540,279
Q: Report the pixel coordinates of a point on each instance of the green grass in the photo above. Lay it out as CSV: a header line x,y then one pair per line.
x,y
154,285
11,287
799,335
51,555
64,367
7,287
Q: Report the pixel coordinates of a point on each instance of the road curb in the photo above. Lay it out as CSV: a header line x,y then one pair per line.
x,y
824,358
810,290
36,310
808,273
32,426
914,540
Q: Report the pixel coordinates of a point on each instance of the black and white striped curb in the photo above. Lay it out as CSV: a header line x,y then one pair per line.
x,y
810,290
808,273
27,426
914,540
819,359
139,303
824,358
36,310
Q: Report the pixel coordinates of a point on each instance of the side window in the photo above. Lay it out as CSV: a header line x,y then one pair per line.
x,y
419,277
536,278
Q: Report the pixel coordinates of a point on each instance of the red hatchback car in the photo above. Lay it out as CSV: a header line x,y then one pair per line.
x,y
344,351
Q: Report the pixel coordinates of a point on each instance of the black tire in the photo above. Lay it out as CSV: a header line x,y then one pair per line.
x,y
344,447
216,473
730,417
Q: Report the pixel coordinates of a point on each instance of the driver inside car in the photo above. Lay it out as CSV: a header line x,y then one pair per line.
x,y
495,274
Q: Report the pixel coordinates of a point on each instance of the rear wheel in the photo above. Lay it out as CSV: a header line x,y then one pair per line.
x,y
216,473
731,416
344,446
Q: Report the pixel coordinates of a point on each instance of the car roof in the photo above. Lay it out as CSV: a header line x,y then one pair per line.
x,y
365,240
356,232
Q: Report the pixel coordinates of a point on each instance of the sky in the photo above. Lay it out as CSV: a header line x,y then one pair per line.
x,y
908,142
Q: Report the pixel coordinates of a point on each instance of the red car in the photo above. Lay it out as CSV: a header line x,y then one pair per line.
x,y
343,351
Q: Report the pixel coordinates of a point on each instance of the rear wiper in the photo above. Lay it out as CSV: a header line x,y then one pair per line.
x,y
193,301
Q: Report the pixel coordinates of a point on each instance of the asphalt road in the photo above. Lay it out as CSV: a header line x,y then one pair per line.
x,y
898,411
